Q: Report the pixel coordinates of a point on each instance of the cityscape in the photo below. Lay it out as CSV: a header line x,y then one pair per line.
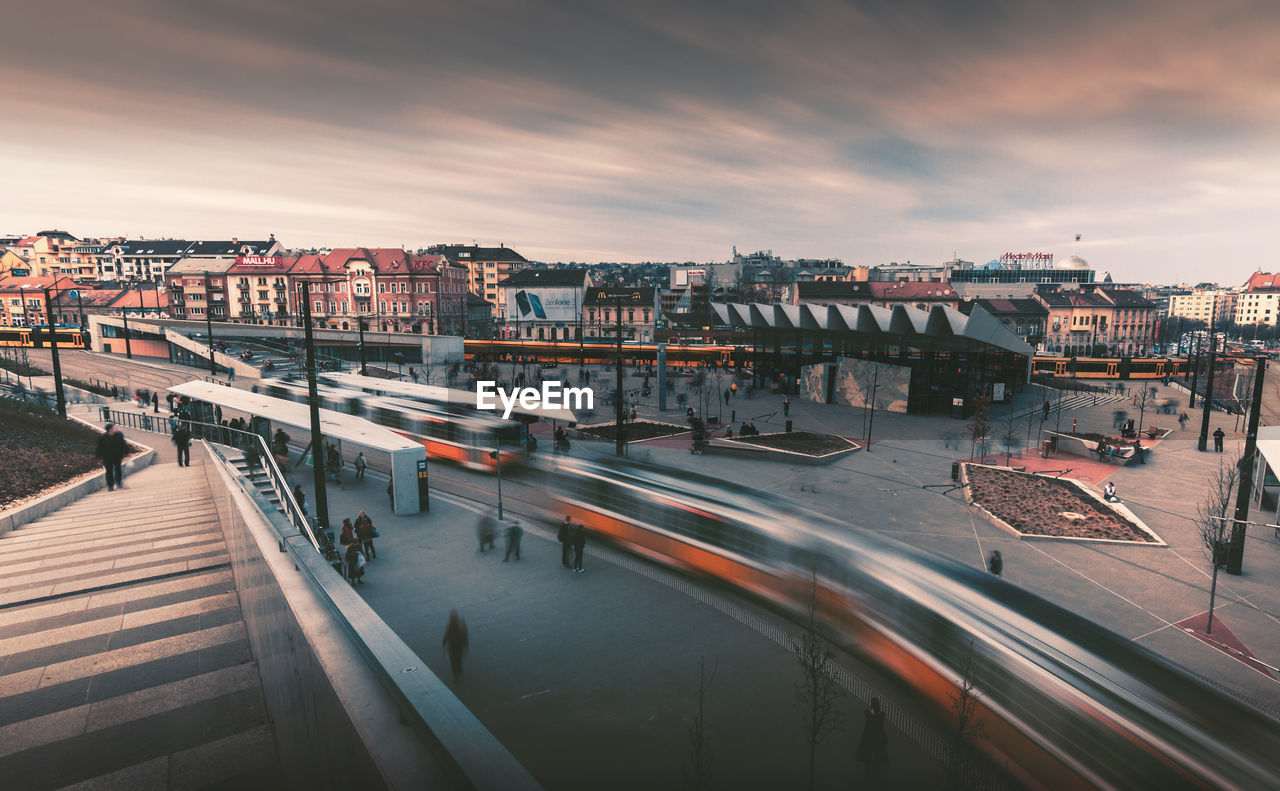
x,y
547,396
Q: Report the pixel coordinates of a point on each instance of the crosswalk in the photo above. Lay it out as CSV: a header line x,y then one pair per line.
x,y
1079,399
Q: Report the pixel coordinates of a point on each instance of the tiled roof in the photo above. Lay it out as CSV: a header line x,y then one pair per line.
x,y
1262,281
471,252
999,306
546,277
818,289
912,290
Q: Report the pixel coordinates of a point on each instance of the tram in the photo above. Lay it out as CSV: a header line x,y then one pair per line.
x,y
1063,702
596,352
1111,367
466,440
66,336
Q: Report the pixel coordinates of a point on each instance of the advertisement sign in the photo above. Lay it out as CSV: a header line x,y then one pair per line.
x,y
543,304
259,261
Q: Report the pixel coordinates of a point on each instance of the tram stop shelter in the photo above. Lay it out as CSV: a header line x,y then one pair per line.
x,y
1266,474
464,400
270,413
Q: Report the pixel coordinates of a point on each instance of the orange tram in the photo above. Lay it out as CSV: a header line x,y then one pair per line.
x,y
1063,702
1111,367
602,352
67,336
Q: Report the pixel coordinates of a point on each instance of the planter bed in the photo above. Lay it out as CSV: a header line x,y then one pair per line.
x,y
803,442
636,432
1036,506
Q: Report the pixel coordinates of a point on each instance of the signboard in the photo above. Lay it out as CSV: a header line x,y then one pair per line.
x,y
1029,260
628,296
543,304
259,261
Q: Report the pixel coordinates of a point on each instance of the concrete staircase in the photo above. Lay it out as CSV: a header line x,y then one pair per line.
x,y
124,661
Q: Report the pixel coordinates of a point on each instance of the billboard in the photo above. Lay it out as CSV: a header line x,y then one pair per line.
x,y
543,304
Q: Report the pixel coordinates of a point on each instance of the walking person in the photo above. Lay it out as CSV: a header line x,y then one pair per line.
x,y
252,459
513,535
579,544
155,402
111,448
455,642
1218,437
301,497
334,459
873,746
182,440
361,466
231,374
365,533
565,537
995,563
1182,421
486,530
786,406
355,563
1045,412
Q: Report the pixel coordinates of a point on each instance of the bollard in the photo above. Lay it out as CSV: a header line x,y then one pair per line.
x,y
955,470
733,416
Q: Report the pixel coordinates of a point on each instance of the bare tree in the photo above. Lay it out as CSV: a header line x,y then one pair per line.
x,y
1142,406
968,728
1213,523
697,775
1010,433
817,691
979,428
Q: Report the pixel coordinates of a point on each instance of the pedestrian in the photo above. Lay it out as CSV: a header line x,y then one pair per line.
x,y
334,460
565,537
873,746
558,439
995,563
348,536
1109,493
252,459
111,449
366,533
231,374
455,642
531,445
1045,412
169,400
355,564
301,497
786,406
361,466
513,535
733,388
726,397
182,439
155,402
1138,451
1218,437
579,544
486,531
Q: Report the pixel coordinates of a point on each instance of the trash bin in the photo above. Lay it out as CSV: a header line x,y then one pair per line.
x,y
106,413
955,470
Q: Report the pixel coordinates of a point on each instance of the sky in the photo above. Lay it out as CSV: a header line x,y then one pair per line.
x,y
897,130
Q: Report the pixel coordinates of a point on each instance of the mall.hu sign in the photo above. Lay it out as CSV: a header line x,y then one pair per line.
x,y
259,261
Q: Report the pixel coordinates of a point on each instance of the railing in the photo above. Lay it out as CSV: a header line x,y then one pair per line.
x,y
225,435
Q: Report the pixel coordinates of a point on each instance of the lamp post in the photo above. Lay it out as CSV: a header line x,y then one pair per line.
x,y
1208,388
124,313
313,407
496,455
53,352
1235,552
208,323
620,441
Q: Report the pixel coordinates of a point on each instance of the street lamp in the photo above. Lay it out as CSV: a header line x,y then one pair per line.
x,y
313,407
496,455
124,313
364,364
208,322
53,352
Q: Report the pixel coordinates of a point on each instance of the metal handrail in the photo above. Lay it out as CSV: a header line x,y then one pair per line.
x,y
215,434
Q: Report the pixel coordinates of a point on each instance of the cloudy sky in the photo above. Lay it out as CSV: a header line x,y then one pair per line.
x,y
591,130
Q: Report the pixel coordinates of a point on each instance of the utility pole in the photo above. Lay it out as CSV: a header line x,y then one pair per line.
x,y
1202,445
364,363
496,455
313,406
53,352
124,312
620,440
1235,552
208,322
80,304
1195,373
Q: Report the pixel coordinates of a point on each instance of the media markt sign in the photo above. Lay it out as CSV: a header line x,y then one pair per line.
x,y
551,397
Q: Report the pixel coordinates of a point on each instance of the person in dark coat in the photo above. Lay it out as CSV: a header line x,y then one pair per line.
x,y
874,743
455,642
565,537
579,544
252,459
487,531
155,402
1218,436
364,532
300,496
111,448
786,406
348,536
182,439
995,563
355,562
513,535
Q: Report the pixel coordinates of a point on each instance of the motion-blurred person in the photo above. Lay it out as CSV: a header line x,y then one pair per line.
x,y
366,534
301,497
486,531
111,448
355,564
455,642
579,544
513,535
361,466
873,746
995,563
565,537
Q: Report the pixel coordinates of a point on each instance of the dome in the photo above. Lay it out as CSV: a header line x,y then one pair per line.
x,y
1071,262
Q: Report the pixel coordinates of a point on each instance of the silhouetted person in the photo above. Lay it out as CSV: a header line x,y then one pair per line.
x,y
786,406
486,531
565,537
111,448
1218,436
873,746
455,642
579,544
182,440
995,563
514,533
1046,410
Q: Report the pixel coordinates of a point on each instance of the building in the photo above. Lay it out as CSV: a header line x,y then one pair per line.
x,y
1205,303
486,268
258,289
58,253
1095,321
198,288
1259,304
544,303
635,306
918,294
23,303
149,259
821,292
13,264
1026,318
479,317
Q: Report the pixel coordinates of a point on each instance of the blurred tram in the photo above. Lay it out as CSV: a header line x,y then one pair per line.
x,y
66,336
604,352
1068,703
466,440
1111,367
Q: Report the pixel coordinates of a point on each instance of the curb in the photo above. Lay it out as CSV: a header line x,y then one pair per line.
x,y
49,502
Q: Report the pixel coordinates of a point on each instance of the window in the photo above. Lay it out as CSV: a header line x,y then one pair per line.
x,y
333,306
382,288
384,304
344,306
